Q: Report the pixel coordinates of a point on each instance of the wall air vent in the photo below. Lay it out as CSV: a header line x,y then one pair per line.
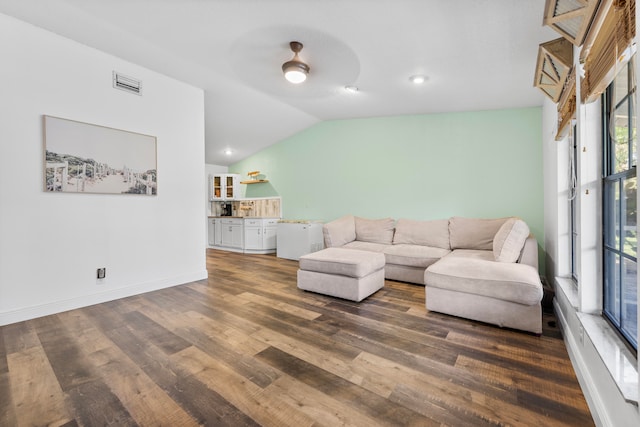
x,y
127,84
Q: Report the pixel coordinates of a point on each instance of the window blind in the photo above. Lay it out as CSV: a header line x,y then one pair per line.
x,y
614,36
567,105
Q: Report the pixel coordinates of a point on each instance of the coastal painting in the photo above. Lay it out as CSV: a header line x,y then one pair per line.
x,y
87,158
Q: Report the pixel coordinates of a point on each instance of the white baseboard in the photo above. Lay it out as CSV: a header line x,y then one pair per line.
x,y
589,389
41,310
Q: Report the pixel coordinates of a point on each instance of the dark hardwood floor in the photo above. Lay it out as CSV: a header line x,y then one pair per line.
x,y
247,347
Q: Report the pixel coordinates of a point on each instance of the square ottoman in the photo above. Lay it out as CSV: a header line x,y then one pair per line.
x,y
344,273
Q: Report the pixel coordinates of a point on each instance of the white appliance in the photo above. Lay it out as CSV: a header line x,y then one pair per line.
x,y
296,238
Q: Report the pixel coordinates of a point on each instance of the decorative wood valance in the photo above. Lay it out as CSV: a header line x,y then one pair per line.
x,y
555,59
567,105
606,48
570,18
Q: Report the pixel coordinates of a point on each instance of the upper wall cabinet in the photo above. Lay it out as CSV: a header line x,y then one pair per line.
x,y
224,187
571,18
555,59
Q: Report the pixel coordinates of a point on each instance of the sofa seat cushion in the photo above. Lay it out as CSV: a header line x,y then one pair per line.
x,y
366,246
413,255
505,281
473,254
343,262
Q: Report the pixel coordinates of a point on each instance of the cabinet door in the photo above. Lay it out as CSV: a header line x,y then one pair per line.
x,y
232,186
217,236
227,235
269,237
217,191
253,238
212,231
229,186
236,236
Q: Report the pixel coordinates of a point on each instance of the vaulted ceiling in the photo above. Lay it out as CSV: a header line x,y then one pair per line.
x,y
476,54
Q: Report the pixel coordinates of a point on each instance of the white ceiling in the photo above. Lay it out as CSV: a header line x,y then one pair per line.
x,y
477,54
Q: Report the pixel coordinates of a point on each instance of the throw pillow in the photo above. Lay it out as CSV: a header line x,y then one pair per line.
x,y
509,240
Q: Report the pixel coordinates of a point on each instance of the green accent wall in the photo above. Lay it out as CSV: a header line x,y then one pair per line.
x,y
482,164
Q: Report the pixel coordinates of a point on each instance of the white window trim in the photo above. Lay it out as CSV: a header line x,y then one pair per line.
x,y
615,355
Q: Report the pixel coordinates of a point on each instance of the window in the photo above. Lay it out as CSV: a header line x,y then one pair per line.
x,y
573,208
619,205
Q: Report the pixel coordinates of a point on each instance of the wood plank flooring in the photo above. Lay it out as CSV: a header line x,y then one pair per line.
x,y
246,347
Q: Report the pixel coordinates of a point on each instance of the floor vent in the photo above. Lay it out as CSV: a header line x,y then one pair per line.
x,y
128,84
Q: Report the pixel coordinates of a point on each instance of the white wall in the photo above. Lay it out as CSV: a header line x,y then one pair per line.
x,y
51,244
550,172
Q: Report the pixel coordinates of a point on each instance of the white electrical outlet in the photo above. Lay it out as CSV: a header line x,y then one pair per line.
x,y
101,274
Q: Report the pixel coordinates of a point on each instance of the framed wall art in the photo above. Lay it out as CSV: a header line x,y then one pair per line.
x,y
87,158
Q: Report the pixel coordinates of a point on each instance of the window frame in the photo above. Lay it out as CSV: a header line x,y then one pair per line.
x,y
617,178
574,250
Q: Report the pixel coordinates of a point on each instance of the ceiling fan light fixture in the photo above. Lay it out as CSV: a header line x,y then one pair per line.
x,y
418,79
294,74
295,71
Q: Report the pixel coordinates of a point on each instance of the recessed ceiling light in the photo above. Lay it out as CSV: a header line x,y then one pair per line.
x,y
351,89
418,79
228,151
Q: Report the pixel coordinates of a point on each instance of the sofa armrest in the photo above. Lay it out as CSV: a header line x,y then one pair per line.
x,y
529,254
339,232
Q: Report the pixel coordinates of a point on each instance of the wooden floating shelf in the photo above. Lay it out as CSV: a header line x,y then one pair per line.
x,y
253,175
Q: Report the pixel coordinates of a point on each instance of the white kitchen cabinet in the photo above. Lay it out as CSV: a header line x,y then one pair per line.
x,y
231,233
270,234
214,231
217,238
249,235
224,186
211,231
252,234
260,235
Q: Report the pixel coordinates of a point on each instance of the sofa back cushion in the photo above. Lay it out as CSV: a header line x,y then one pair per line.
x,y
433,233
339,232
375,230
473,233
509,240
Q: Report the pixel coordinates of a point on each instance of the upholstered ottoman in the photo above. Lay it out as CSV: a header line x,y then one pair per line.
x,y
501,293
344,273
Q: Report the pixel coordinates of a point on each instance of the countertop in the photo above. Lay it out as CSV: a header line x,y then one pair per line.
x,y
245,217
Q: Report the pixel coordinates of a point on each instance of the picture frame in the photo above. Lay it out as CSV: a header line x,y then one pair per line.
x,y
89,158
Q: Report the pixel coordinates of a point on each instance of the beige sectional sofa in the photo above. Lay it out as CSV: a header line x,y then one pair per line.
x,y
480,269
